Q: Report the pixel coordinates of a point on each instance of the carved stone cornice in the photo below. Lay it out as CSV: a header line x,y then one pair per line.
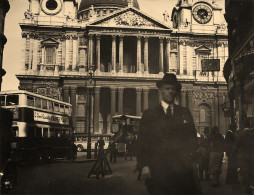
x,y
120,90
66,89
138,90
74,37
146,38
146,90
161,39
113,37
73,89
98,37
112,90
24,35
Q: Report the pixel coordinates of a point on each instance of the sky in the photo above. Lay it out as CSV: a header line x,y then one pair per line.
x,y
12,50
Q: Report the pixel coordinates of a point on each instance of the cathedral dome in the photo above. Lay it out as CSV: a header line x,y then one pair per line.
x,y
101,3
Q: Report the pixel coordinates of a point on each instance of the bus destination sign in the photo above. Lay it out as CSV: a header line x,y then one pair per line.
x,y
50,118
210,65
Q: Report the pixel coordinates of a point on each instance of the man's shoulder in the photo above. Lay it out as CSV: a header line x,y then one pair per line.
x,y
152,111
183,110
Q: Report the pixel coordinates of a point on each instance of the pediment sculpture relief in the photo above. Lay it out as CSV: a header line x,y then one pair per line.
x,y
130,19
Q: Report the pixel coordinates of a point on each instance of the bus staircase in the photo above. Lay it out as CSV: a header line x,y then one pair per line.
x,y
101,166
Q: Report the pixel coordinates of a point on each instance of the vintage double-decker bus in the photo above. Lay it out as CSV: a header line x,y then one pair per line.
x,y
42,127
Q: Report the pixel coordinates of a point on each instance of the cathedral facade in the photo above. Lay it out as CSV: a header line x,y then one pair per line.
x,y
124,51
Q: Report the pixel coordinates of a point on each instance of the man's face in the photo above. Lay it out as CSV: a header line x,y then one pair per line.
x,y
168,93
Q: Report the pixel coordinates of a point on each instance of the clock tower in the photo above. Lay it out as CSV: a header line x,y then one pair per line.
x,y
197,16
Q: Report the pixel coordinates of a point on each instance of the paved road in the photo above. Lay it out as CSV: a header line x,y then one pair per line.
x,y
71,178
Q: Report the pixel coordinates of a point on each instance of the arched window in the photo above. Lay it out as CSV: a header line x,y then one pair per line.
x,y
204,119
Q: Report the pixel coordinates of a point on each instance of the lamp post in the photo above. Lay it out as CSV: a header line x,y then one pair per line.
x,y
90,89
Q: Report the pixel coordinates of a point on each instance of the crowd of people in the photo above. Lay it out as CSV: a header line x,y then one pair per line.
x,y
239,150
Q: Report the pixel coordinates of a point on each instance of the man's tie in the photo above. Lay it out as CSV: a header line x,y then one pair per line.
x,y
169,111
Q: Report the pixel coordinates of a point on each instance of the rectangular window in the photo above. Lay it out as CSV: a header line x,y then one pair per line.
x,y
56,107
12,100
50,104
38,102
67,110
2,100
30,101
44,104
80,127
50,55
61,108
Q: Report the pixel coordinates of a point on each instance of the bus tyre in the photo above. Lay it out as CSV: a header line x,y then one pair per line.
x,y
80,148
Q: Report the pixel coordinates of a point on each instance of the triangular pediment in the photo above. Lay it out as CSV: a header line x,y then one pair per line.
x,y
49,41
203,49
130,18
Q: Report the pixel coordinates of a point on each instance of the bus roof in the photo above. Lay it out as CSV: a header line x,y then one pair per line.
x,y
8,92
128,116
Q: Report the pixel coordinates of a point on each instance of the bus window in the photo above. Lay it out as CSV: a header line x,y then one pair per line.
x,y
67,110
52,132
44,104
12,100
2,100
14,131
30,101
45,132
38,102
61,108
56,107
38,132
50,105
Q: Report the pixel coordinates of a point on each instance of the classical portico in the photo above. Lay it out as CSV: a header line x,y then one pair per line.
x,y
126,48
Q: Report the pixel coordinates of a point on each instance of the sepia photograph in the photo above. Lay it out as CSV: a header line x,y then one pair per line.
x,y
126,97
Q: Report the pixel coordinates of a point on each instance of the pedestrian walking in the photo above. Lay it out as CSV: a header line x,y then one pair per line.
x,y
230,139
216,155
244,153
204,155
166,144
101,145
112,149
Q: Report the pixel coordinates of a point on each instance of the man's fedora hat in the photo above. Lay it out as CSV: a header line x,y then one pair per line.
x,y
169,78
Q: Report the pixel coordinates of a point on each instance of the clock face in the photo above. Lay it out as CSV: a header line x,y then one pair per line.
x,y
202,13
51,7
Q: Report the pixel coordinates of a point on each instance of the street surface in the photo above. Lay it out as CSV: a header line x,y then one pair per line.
x,y
65,177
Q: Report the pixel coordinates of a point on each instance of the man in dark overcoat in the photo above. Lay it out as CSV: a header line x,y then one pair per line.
x,y
167,143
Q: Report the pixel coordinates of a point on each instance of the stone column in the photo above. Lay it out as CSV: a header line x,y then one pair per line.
x,y
113,54
74,104
168,54
146,69
67,54
161,55
138,101
113,101
23,52
75,51
90,51
98,52
35,53
183,99
120,54
66,94
145,98
139,55
120,100
31,42
96,109
181,57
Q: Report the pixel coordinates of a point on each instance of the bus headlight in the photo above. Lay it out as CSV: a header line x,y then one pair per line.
x,y
14,145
